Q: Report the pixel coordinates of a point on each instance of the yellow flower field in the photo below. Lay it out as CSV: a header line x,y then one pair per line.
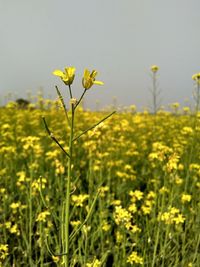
x,y
142,169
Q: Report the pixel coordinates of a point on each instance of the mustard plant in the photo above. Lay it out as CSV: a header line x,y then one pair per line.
x,y
88,80
155,91
196,94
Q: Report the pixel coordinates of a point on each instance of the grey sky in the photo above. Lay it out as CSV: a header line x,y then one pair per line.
x,y
119,38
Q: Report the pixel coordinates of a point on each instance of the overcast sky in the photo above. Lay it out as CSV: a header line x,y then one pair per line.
x,y
119,38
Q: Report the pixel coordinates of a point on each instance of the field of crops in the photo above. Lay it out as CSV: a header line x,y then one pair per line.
x,y
134,190
81,188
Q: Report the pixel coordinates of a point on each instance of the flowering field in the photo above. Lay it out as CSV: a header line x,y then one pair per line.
x,y
134,190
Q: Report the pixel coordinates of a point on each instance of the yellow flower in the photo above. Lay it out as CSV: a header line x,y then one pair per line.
x,y
89,79
79,199
106,226
134,258
196,77
154,68
3,251
186,198
67,76
55,259
14,229
95,263
42,216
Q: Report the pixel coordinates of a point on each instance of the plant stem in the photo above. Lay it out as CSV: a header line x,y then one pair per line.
x,y
67,200
80,99
197,98
92,127
154,94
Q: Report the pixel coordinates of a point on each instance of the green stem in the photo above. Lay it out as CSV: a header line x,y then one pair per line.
x,y
92,127
197,98
154,93
196,249
30,216
73,234
70,91
67,201
156,245
63,104
80,99
53,137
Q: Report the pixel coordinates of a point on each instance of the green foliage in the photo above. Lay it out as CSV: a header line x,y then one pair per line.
x,y
145,170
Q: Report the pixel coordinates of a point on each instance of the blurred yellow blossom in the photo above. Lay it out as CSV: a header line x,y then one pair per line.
x,y
79,199
3,251
42,216
134,258
154,68
67,76
186,198
89,79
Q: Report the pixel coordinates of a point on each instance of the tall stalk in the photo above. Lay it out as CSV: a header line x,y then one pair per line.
x,y
88,81
155,92
67,199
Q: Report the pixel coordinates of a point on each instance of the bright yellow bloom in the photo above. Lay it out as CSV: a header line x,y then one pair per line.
x,y
14,229
89,79
15,205
67,76
134,258
186,198
95,263
154,68
42,216
75,223
106,226
55,259
196,77
3,251
136,195
79,199
172,216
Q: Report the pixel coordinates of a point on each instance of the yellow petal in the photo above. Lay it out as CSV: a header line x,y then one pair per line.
x,y
98,82
70,71
58,73
86,74
93,74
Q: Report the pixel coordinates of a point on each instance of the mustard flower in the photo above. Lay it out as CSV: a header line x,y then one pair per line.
x,y
42,216
196,77
95,263
186,198
154,68
134,258
14,229
3,251
67,76
89,79
79,199
55,259
172,216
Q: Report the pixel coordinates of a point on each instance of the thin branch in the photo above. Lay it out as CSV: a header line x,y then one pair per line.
x,y
80,99
51,251
70,91
53,138
63,104
73,234
92,127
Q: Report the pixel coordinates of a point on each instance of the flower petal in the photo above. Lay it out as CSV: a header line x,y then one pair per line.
x,y
58,73
93,74
98,82
86,74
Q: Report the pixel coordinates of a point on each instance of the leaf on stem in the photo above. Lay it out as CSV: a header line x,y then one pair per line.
x,y
53,138
92,127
